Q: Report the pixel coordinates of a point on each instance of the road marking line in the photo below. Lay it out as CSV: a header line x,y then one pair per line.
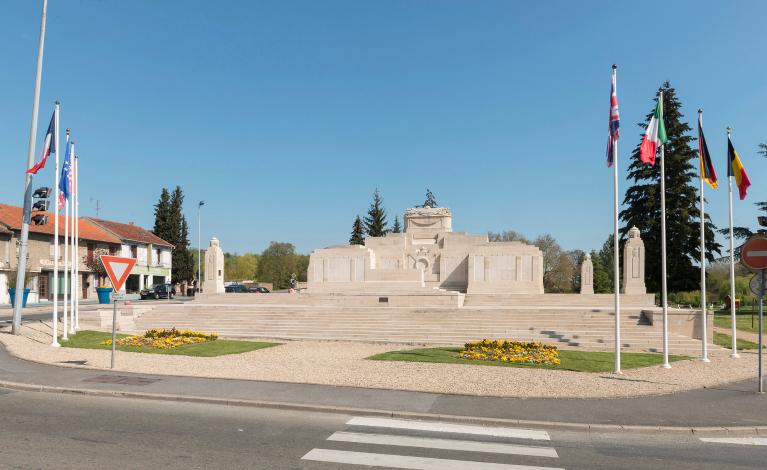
x,y
437,426
748,441
448,444
404,461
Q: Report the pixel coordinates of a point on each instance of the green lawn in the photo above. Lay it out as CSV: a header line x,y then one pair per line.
x,y
87,339
579,361
742,321
725,341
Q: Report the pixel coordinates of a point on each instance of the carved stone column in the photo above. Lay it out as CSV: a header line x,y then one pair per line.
x,y
633,264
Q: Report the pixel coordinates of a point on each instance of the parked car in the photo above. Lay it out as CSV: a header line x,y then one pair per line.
x,y
259,290
236,288
158,291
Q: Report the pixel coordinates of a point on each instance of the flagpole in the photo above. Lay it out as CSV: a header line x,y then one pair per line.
x,y
24,238
616,242
65,334
72,246
703,327
664,293
76,321
55,320
732,262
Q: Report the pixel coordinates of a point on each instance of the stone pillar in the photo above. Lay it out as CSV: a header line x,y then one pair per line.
x,y
214,269
587,275
149,280
141,282
633,264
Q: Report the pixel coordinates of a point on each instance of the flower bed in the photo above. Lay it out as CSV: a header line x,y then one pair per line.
x,y
165,339
511,351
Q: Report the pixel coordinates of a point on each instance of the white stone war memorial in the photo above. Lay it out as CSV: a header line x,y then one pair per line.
x,y
433,285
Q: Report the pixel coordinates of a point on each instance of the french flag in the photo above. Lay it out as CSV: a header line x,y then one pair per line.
x,y
49,146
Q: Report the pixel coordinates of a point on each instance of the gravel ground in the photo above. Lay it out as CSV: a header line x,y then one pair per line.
x,y
343,363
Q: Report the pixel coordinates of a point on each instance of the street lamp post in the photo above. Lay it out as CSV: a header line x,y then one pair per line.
x,y
199,247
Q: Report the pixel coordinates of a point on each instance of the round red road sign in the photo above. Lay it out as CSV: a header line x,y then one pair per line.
x,y
753,253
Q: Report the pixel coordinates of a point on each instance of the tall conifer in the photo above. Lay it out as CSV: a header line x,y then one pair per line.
x,y
375,221
643,208
396,228
358,233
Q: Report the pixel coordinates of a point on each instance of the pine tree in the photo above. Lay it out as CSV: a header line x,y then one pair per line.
x,y
603,261
643,208
358,233
430,201
183,263
162,216
375,221
396,228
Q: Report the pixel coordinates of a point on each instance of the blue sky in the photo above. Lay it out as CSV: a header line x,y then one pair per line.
x,y
285,116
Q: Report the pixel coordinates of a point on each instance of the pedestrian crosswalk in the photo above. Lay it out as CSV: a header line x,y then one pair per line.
x,y
422,442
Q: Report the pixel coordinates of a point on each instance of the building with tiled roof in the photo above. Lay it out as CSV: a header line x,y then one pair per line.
x,y
152,253
114,237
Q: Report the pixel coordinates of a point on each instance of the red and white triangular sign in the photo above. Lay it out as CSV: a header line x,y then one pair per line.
x,y
117,269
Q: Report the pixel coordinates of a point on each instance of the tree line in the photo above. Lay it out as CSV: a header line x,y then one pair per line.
x,y
374,224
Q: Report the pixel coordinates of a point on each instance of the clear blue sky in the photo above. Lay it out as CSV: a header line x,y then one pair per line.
x,y
284,116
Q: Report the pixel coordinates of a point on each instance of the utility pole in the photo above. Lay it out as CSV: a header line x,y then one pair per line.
x,y
199,248
22,267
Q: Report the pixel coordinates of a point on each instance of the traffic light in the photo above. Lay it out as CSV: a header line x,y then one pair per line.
x,y
41,205
40,219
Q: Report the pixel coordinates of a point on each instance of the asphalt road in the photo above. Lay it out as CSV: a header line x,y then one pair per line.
x,y
42,430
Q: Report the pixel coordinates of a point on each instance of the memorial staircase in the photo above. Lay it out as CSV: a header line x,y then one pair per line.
x,y
296,318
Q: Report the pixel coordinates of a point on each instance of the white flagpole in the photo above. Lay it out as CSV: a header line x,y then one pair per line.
x,y
732,259
55,320
76,321
703,327
73,247
65,334
664,294
616,242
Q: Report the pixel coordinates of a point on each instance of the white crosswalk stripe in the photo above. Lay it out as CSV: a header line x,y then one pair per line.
x,y
437,426
448,444
451,442
408,462
747,441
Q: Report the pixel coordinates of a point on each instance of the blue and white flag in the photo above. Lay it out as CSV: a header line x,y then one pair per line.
x,y
65,183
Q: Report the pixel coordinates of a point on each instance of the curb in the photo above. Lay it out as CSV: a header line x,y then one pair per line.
x,y
557,425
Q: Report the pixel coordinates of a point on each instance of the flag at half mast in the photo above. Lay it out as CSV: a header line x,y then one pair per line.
x,y
654,137
736,169
707,172
614,124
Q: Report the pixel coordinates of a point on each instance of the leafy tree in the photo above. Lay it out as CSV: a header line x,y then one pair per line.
x,y
396,228
278,262
575,258
358,232
430,201
603,267
240,267
643,208
507,236
375,221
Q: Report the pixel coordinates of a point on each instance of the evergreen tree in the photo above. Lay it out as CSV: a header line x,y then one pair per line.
x,y
643,208
603,267
430,201
358,232
396,228
375,221
162,216
183,268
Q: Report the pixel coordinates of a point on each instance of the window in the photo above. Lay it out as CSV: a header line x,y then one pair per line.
x,y
134,251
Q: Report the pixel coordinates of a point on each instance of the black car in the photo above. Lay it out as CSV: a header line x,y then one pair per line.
x,y
158,291
243,289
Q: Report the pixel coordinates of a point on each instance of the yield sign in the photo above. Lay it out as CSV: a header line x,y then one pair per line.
x,y
117,269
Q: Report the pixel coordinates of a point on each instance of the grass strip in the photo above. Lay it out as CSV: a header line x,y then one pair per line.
x,y
579,361
725,341
88,339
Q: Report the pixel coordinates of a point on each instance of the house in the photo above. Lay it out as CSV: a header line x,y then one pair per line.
x,y
40,254
152,253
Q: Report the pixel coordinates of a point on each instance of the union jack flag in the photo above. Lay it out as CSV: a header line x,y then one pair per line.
x,y
614,124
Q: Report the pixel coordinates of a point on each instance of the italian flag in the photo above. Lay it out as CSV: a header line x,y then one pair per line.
x,y
654,137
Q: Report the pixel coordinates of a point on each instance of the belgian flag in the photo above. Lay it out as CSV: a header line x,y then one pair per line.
x,y
707,172
735,168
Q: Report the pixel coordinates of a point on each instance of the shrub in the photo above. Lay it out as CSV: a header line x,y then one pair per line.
x,y
511,351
